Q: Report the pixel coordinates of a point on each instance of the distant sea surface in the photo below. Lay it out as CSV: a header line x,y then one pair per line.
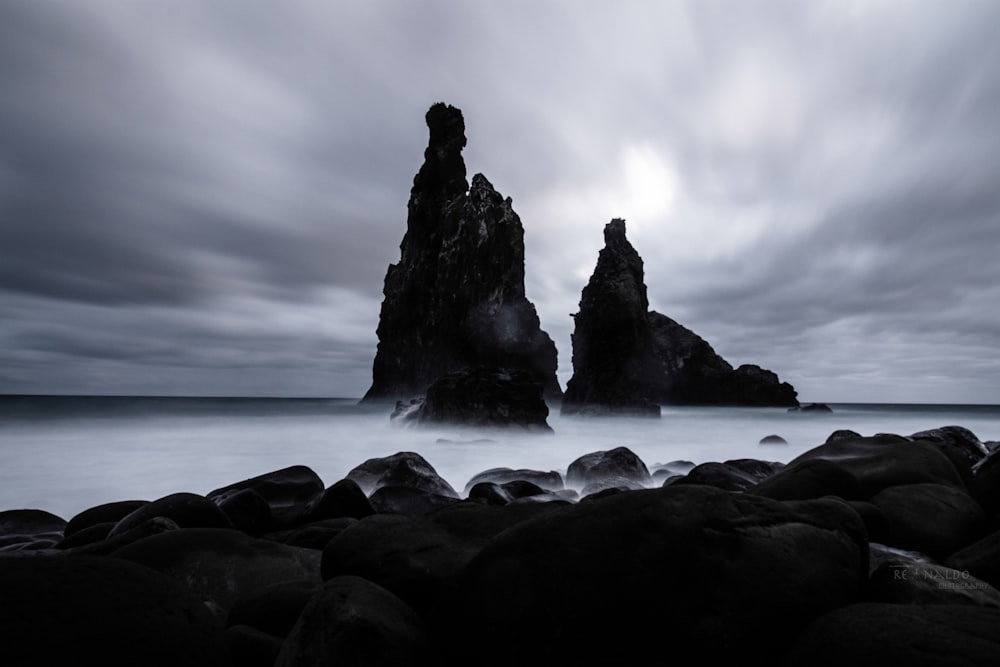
x,y
64,454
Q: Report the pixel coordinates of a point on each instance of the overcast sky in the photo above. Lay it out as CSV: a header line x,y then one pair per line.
x,y
203,197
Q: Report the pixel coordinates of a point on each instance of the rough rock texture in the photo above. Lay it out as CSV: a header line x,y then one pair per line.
x,y
483,396
456,298
628,359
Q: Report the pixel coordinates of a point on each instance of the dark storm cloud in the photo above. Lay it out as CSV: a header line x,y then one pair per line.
x,y
208,194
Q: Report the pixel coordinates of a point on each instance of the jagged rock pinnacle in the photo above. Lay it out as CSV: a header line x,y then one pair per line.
x,y
456,298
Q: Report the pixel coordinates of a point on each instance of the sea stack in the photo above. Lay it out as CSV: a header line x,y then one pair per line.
x,y
630,360
456,299
615,367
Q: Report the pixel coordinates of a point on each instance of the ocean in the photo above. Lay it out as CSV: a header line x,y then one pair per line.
x,y
64,454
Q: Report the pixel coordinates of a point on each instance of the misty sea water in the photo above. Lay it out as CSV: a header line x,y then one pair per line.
x,y
66,454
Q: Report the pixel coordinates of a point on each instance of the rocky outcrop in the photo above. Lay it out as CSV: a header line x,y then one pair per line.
x,y
694,374
628,359
456,298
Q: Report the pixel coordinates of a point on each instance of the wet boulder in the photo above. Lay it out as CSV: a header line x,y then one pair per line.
x,y
885,460
343,499
187,510
222,566
935,519
958,439
30,530
411,556
408,500
606,469
105,513
550,481
735,575
286,492
407,469
810,478
719,475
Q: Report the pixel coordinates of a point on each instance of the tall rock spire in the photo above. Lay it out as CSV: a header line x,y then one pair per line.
x,y
456,298
614,362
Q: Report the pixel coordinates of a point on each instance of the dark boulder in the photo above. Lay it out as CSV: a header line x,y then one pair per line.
x,y
187,510
89,535
247,510
222,566
30,530
491,493
772,440
108,512
483,396
456,297
843,434
408,500
550,481
958,439
411,556
407,469
935,519
352,622
810,478
99,611
108,544
660,472
735,575
885,460
605,469
919,635
720,476
504,494
287,493
343,499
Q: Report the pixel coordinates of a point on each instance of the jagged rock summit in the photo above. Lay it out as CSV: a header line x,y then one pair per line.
x,y
456,297
630,360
